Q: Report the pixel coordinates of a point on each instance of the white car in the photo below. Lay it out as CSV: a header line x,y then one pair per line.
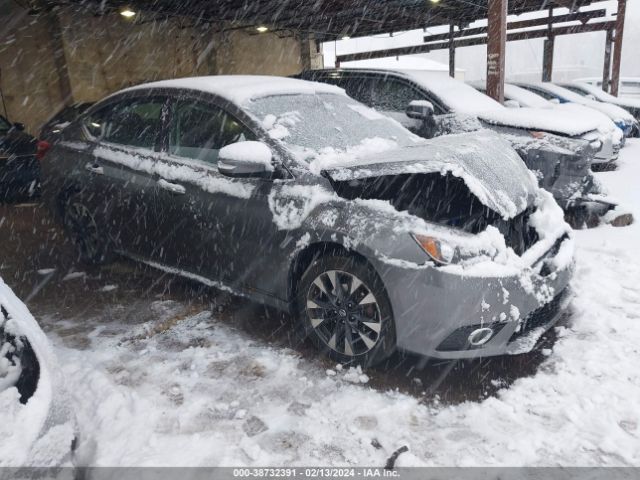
x,y
623,119
632,105
37,427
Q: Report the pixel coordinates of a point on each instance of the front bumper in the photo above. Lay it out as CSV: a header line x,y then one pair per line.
x,y
435,311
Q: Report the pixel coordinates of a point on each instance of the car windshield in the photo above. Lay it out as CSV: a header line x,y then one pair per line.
x,y
318,122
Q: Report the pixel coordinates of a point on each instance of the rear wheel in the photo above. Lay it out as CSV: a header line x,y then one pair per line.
x,y
92,245
344,309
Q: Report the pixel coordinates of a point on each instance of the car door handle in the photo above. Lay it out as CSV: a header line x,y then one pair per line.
x,y
93,168
172,187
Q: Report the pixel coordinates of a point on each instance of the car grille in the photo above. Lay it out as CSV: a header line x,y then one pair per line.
x,y
616,151
518,234
541,317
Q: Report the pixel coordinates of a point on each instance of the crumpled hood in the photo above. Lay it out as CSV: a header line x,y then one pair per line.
x,y
488,165
553,121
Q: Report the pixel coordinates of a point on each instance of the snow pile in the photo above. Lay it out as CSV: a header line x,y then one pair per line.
x,y
40,432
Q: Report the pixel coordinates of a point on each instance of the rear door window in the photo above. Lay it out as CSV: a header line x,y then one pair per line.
x,y
392,95
131,122
199,130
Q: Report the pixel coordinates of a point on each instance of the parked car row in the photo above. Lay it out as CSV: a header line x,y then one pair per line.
x,y
296,194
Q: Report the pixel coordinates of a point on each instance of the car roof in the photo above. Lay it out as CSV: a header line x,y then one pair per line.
x,y
242,88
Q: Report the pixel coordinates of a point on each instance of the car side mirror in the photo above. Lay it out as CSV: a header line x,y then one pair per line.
x,y
512,104
245,159
555,101
419,109
18,126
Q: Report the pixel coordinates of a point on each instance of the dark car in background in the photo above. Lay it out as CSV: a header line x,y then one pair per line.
x,y
297,196
19,166
554,145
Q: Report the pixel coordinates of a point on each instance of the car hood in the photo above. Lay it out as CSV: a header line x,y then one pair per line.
x,y
553,121
490,168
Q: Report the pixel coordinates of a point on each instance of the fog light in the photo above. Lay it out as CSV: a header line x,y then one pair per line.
x,y
480,336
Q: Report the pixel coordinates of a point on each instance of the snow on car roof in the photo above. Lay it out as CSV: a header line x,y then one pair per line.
x,y
525,97
242,88
457,95
614,111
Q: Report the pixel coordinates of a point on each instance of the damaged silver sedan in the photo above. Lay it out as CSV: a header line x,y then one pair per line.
x,y
300,197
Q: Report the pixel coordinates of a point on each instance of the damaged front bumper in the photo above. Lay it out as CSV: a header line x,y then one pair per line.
x,y
451,316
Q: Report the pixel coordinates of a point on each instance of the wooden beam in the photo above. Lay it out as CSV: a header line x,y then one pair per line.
x,y
617,50
496,46
467,42
582,17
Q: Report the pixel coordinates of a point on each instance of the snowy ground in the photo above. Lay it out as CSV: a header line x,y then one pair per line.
x,y
171,378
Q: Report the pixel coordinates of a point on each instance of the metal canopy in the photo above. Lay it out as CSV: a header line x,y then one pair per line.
x,y
331,19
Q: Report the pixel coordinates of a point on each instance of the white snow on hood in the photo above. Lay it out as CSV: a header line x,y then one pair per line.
x,y
463,98
553,121
490,168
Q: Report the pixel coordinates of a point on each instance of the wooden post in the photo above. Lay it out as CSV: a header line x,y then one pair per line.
x,y
547,55
496,44
617,51
452,54
547,59
606,68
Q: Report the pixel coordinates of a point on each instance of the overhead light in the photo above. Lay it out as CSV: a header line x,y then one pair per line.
x,y
127,13
345,37
435,1
262,28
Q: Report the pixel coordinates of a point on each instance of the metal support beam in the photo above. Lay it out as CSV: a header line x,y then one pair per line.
x,y
617,50
496,46
452,54
606,68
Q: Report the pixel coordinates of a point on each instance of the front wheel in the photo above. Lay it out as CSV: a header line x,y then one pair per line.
x,y
344,309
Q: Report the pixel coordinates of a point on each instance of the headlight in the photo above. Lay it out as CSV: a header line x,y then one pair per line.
x,y
438,251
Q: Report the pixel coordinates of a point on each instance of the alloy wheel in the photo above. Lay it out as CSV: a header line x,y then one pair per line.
x,y
344,313
82,226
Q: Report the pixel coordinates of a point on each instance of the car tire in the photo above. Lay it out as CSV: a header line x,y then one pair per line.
x,y
352,324
92,245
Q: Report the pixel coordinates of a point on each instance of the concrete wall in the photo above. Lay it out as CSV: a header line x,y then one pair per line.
x,y
100,54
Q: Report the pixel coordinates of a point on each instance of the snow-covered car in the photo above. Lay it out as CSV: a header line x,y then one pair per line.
x,y
632,105
297,196
558,147
622,118
611,135
37,427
